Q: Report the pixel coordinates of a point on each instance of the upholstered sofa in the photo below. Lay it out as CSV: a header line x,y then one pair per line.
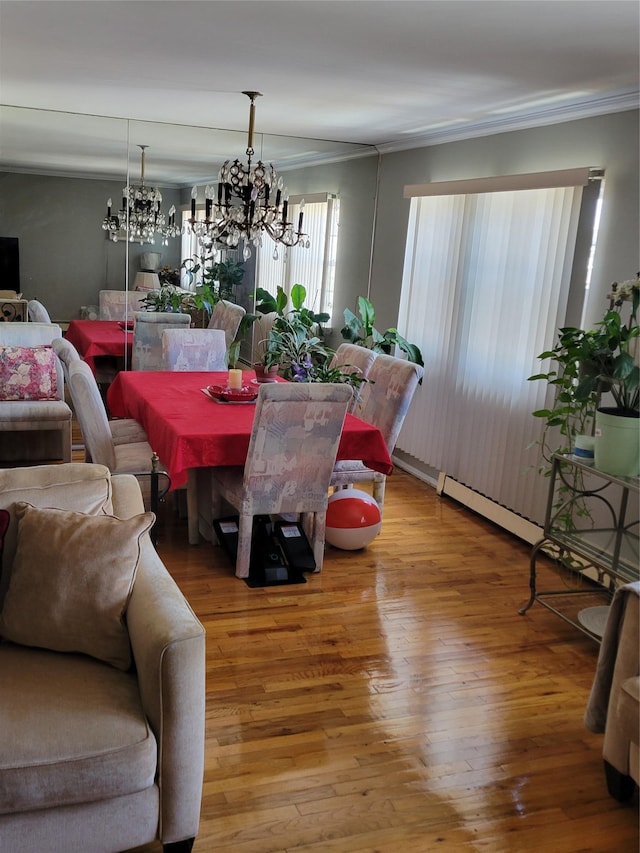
x,y
35,420
102,671
614,703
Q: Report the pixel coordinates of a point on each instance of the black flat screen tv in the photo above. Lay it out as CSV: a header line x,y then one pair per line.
x,y
9,264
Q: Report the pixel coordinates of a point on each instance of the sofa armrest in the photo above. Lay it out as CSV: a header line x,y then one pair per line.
x,y
168,644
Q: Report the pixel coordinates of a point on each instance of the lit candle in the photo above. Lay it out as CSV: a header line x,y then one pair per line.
x,y
235,380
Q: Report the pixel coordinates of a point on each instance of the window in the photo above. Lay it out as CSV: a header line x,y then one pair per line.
x,y
486,285
313,267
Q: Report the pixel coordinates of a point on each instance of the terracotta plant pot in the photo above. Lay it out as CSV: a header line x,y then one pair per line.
x,y
266,374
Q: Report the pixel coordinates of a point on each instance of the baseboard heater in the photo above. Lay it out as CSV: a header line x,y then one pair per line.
x,y
489,509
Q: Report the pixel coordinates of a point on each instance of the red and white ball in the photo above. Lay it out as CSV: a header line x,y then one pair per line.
x,y
353,519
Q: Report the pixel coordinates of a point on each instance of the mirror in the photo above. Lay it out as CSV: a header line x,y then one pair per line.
x,y
57,171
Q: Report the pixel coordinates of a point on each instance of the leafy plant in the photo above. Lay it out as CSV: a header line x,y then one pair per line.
x,y
575,396
168,298
295,340
587,364
360,329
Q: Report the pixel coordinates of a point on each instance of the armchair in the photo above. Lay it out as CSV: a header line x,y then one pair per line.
x,y
614,703
35,421
95,756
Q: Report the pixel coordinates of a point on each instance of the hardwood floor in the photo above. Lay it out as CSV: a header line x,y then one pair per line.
x,y
396,702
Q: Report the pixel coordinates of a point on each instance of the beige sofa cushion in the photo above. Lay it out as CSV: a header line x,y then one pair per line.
x,y
88,739
75,485
71,580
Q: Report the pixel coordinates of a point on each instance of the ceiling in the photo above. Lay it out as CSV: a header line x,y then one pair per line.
x,y
383,73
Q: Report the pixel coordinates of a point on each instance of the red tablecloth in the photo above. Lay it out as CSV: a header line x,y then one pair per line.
x,y
99,338
189,430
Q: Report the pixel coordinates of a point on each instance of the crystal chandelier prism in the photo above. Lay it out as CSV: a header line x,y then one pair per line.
x,y
141,218
249,201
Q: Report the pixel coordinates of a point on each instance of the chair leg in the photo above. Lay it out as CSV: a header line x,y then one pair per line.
x,y
319,528
243,559
378,491
620,787
179,846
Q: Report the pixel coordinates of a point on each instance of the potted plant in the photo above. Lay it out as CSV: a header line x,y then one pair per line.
x,y
616,367
169,298
359,329
294,344
294,336
587,364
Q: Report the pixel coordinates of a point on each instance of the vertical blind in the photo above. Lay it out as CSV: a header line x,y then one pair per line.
x,y
484,289
313,267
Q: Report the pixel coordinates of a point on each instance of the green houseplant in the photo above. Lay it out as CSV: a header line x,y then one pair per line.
x,y
294,343
585,366
360,329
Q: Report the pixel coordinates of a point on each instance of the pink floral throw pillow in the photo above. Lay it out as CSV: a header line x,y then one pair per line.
x,y
28,373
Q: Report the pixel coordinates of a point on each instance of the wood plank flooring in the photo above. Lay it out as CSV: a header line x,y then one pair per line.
x,y
397,702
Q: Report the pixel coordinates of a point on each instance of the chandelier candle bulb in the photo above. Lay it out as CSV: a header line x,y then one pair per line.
x,y
234,381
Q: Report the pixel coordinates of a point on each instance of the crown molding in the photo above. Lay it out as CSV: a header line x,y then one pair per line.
x,y
620,102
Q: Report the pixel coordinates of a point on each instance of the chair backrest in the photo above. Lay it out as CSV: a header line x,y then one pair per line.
x,y
385,398
37,312
31,335
147,337
194,349
91,414
119,304
293,446
227,316
352,358
67,353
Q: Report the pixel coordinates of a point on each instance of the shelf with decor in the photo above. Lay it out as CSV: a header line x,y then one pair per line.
x,y
591,532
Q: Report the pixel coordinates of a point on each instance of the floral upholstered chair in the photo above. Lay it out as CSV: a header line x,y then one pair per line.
x,y
227,316
292,450
147,337
37,312
35,420
119,304
194,349
384,402
352,358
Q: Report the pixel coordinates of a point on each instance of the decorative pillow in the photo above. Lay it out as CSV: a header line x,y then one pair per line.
x,y
28,373
70,583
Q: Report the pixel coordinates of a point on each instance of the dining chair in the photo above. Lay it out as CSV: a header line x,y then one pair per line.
x,y
119,304
119,456
227,316
384,402
351,358
292,450
147,337
123,430
194,349
37,313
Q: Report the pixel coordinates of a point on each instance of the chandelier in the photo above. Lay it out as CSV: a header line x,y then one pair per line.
x,y
250,200
141,217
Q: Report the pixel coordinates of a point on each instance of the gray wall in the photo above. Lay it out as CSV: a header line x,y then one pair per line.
x,y
65,256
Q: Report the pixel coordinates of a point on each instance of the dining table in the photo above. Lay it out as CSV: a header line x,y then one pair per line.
x,y
191,431
99,338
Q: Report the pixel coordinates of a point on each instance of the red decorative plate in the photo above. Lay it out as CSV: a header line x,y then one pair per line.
x,y
229,395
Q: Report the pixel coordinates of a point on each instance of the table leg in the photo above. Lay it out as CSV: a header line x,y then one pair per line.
x,y
192,507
